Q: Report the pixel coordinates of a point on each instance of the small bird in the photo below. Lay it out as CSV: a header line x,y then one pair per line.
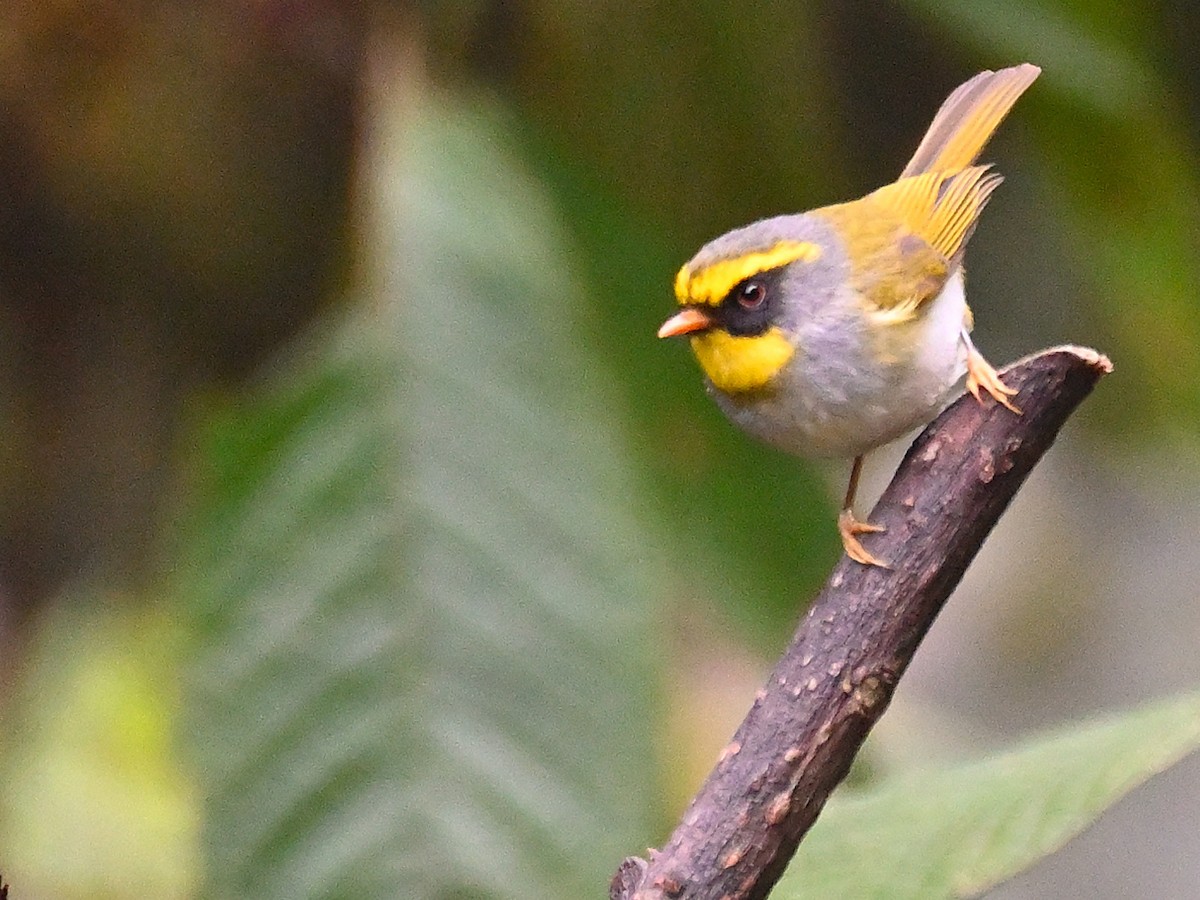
x,y
832,332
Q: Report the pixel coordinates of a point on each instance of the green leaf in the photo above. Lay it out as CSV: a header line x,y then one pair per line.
x,y
422,602
959,832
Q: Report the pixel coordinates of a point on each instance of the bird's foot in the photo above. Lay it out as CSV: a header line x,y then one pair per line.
x,y
849,528
981,375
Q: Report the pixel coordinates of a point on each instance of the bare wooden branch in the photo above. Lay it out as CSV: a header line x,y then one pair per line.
x,y
837,676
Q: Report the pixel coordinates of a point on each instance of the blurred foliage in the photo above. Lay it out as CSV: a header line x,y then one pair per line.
x,y
439,557
420,610
174,181
93,803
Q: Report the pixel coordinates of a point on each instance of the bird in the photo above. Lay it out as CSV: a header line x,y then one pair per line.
x,y
829,333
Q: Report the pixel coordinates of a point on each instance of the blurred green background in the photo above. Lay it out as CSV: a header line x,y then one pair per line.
x,y
343,477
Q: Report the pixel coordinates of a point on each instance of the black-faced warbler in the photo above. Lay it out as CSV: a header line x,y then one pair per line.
x,y
832,332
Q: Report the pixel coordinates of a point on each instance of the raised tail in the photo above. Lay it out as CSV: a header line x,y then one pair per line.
x,y
968,118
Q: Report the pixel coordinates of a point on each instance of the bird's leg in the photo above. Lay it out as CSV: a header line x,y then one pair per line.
x,y
850,527
980,374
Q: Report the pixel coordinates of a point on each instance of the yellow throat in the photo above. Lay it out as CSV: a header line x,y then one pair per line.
x,y
739,365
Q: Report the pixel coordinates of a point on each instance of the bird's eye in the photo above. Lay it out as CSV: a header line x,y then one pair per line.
x,y
751,295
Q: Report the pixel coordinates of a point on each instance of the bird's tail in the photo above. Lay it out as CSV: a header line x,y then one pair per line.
x,y
968,118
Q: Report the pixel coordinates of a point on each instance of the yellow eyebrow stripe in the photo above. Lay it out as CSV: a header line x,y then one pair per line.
x,y
710,284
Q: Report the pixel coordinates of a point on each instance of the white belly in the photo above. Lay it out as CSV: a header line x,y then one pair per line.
x,y
848,390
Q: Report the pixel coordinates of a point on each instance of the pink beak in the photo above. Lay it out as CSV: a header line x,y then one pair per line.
x,y
685,322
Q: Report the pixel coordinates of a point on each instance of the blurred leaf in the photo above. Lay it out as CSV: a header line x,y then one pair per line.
x,y
92,802
959,832
424,611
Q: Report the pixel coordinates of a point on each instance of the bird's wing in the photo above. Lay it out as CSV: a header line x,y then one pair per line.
x,y
907,238
941,208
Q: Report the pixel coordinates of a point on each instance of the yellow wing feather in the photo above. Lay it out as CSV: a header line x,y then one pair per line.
x,y
968,118
941,208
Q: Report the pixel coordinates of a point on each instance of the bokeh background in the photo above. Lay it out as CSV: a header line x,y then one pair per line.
x,y
349,503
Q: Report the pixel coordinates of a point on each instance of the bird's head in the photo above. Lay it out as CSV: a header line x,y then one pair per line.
x,y
738,297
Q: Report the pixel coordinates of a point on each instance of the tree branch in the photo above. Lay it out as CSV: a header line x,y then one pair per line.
x,y
837,676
